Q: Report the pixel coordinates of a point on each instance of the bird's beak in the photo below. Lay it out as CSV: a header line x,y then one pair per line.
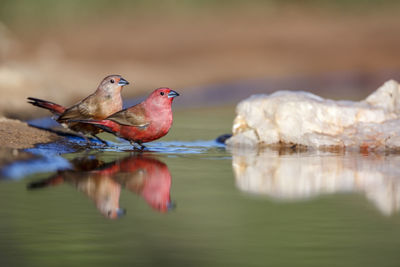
x,y
171,206
123,82
121,212
172,93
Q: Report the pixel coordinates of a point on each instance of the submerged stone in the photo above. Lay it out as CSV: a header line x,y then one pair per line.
x,y
301,118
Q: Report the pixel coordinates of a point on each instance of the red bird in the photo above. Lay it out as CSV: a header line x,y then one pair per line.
x,y
105,101
144,122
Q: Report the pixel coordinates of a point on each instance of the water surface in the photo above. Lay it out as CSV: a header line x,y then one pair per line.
x,y
194,203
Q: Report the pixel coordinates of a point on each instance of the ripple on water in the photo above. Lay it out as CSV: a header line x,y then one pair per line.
x,y
49,156
172,147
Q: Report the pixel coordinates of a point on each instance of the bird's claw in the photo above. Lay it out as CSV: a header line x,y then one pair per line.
x,y
137,146
103,142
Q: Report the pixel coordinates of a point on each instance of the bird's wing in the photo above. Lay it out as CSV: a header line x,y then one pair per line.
x,y
78,111
85,109
134,116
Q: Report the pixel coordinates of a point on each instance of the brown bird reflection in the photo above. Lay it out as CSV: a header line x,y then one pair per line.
x,y
102,182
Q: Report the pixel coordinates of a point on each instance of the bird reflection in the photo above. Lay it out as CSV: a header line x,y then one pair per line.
x,y
102,182
300,176
147,177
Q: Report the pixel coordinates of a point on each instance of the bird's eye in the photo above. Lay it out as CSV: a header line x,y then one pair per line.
x,y
112,81
162,93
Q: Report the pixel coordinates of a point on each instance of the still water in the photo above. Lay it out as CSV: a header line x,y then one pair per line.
x,y
186,202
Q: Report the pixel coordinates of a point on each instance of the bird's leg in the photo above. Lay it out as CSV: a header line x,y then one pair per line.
x,y
137,145
133,143
101,140
142,147
81,135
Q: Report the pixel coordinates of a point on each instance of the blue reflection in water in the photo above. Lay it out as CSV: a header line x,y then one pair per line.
x,y
48,160
50,155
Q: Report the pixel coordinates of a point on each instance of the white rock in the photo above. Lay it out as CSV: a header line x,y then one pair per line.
x,y
301,118
300,177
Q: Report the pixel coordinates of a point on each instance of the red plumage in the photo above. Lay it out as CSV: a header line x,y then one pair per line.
x,y
52,107
144,122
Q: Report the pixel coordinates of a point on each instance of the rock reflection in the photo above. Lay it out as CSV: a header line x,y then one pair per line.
x,y
294,176
102,182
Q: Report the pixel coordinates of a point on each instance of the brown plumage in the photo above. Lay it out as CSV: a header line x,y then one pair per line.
x,y
105,101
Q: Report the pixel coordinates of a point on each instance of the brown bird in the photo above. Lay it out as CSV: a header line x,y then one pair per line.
x,y
105,101
144,122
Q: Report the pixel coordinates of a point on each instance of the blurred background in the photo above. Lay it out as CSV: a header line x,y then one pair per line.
x,y
60,50
279,209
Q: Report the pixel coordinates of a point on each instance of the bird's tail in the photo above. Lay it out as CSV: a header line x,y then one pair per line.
x,y
53,180
54,108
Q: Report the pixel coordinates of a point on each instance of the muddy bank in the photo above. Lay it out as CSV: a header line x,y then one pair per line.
x,y
16,135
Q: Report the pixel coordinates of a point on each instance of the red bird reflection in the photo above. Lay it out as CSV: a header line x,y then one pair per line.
x,y
102,182
147,177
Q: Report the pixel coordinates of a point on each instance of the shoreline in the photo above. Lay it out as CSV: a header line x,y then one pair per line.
x,y
15,136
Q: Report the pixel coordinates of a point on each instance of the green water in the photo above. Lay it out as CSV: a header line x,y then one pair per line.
x,y
218,220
